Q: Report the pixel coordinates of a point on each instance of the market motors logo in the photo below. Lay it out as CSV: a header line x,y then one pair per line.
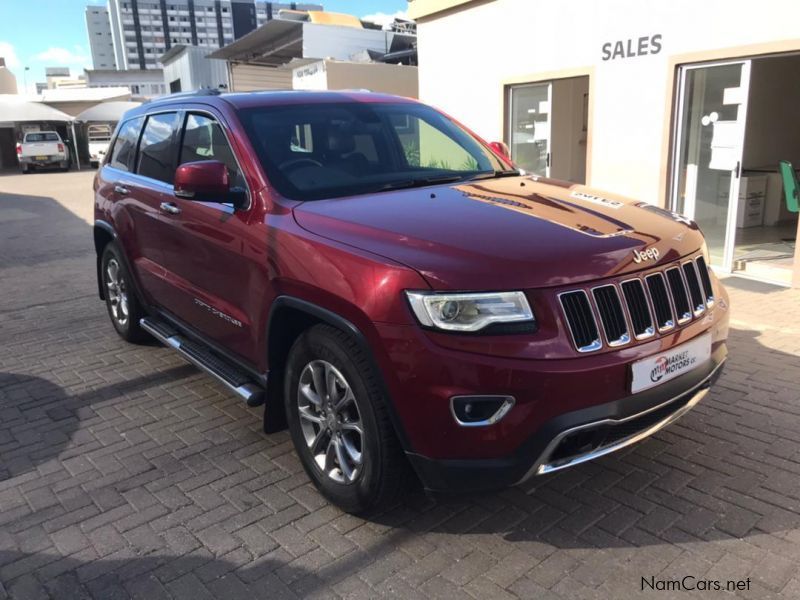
x,y
649,254
669,365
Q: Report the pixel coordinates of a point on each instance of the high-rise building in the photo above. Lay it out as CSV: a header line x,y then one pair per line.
x,y
143,30
98,28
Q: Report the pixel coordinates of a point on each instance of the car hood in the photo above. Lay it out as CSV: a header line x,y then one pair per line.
x,y
505,233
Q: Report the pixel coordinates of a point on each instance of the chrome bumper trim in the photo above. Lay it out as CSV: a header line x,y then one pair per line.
x,y
542,467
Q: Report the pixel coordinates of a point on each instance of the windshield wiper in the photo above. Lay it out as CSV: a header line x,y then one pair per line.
x,y
419,182
496,174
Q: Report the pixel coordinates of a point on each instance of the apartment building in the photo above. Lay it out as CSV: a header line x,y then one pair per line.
x,y
142,30
98,28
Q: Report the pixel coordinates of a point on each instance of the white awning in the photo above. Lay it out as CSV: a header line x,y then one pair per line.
x,y
13,109
106,112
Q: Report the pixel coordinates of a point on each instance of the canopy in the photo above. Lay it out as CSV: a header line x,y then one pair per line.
x,y
106,111
13,109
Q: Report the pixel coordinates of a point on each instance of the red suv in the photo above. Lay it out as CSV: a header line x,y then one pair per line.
x,y
390,286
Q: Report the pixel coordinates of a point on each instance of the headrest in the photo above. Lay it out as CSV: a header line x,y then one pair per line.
x,y
340,140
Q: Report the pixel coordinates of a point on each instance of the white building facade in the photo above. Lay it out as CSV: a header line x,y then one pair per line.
x,y
688,105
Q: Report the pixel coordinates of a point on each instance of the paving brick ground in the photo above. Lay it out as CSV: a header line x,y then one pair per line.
x,y
125,473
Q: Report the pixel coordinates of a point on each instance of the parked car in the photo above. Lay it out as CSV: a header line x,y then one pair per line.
x,y
397,292
42,149
99,136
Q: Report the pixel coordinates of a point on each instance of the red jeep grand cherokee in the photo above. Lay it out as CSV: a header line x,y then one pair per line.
x,y
395,291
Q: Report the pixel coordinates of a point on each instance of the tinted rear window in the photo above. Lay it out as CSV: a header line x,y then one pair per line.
x,y
157,148
42,137
125,145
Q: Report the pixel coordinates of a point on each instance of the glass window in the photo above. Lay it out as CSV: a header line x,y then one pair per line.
x,y
330,150
203,139
42,137
157,148
125,145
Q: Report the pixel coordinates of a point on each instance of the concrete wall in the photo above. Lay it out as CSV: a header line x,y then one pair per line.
x,y
247,78
467,55
195,71
8,82
376,77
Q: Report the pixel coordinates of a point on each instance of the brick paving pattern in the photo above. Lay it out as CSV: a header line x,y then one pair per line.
x,y
126,473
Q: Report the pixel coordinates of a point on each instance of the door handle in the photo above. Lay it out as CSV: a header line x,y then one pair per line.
x,y
120,189
171,208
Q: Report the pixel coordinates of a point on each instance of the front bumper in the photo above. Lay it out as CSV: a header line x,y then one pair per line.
x,y
576,436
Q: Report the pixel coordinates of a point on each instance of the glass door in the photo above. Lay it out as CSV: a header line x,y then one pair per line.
x,y
529,127
709,137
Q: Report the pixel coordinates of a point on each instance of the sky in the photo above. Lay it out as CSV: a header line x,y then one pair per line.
x,y
52,33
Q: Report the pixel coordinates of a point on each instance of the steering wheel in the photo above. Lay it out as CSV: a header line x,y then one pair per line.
x,y
296,163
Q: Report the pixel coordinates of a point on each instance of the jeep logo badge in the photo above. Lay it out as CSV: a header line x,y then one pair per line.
x,y
649,254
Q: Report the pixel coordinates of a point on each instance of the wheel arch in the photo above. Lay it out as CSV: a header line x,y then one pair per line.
x,y
289,317
103,234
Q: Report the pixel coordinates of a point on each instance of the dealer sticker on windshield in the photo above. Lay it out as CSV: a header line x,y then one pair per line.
x,y
657,369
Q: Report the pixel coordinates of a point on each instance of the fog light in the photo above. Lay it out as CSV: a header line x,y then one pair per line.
x,y
480,411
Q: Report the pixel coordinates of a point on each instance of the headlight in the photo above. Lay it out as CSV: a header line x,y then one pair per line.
x,y
469,312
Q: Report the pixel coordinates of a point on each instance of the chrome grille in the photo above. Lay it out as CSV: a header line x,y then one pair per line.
x,y
639,307
695,292
580,319
705,278
612,316
662,307
680,297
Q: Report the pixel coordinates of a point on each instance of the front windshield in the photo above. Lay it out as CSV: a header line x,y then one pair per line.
x,y
316,151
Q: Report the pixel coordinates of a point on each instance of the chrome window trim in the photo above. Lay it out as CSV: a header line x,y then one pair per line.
x,y
672,322
626,337
596,344
651,331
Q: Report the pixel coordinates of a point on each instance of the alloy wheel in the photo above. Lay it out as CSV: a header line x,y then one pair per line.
x,y
330,421
117,292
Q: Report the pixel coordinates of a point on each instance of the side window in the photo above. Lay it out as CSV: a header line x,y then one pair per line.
x,y
125,145
203,139
157,148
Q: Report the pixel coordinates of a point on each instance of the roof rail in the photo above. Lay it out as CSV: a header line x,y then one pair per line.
x,y
200,92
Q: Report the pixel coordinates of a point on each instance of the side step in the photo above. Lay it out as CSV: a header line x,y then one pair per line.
x,y
204,359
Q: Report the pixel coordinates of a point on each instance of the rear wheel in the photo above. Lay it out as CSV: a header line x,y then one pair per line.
x,y
25,169
121,301
339,422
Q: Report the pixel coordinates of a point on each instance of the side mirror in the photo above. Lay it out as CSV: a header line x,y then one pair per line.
x,y
206,181
501,149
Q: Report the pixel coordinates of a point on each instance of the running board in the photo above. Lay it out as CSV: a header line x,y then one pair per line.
x,y
204,359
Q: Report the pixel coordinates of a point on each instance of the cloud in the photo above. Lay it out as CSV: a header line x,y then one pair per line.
x,y
385,19
7,52
63,57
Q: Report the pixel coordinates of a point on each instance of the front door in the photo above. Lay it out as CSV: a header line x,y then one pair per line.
x,y
213,262
529,127
709,134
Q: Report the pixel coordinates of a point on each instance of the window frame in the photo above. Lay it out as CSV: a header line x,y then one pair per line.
x,y
184,117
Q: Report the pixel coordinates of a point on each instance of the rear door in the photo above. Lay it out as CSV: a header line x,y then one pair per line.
x,y
215,267
129,208
151,192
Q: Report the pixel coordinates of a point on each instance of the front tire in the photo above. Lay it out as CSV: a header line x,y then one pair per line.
x,y
339,422
121,301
